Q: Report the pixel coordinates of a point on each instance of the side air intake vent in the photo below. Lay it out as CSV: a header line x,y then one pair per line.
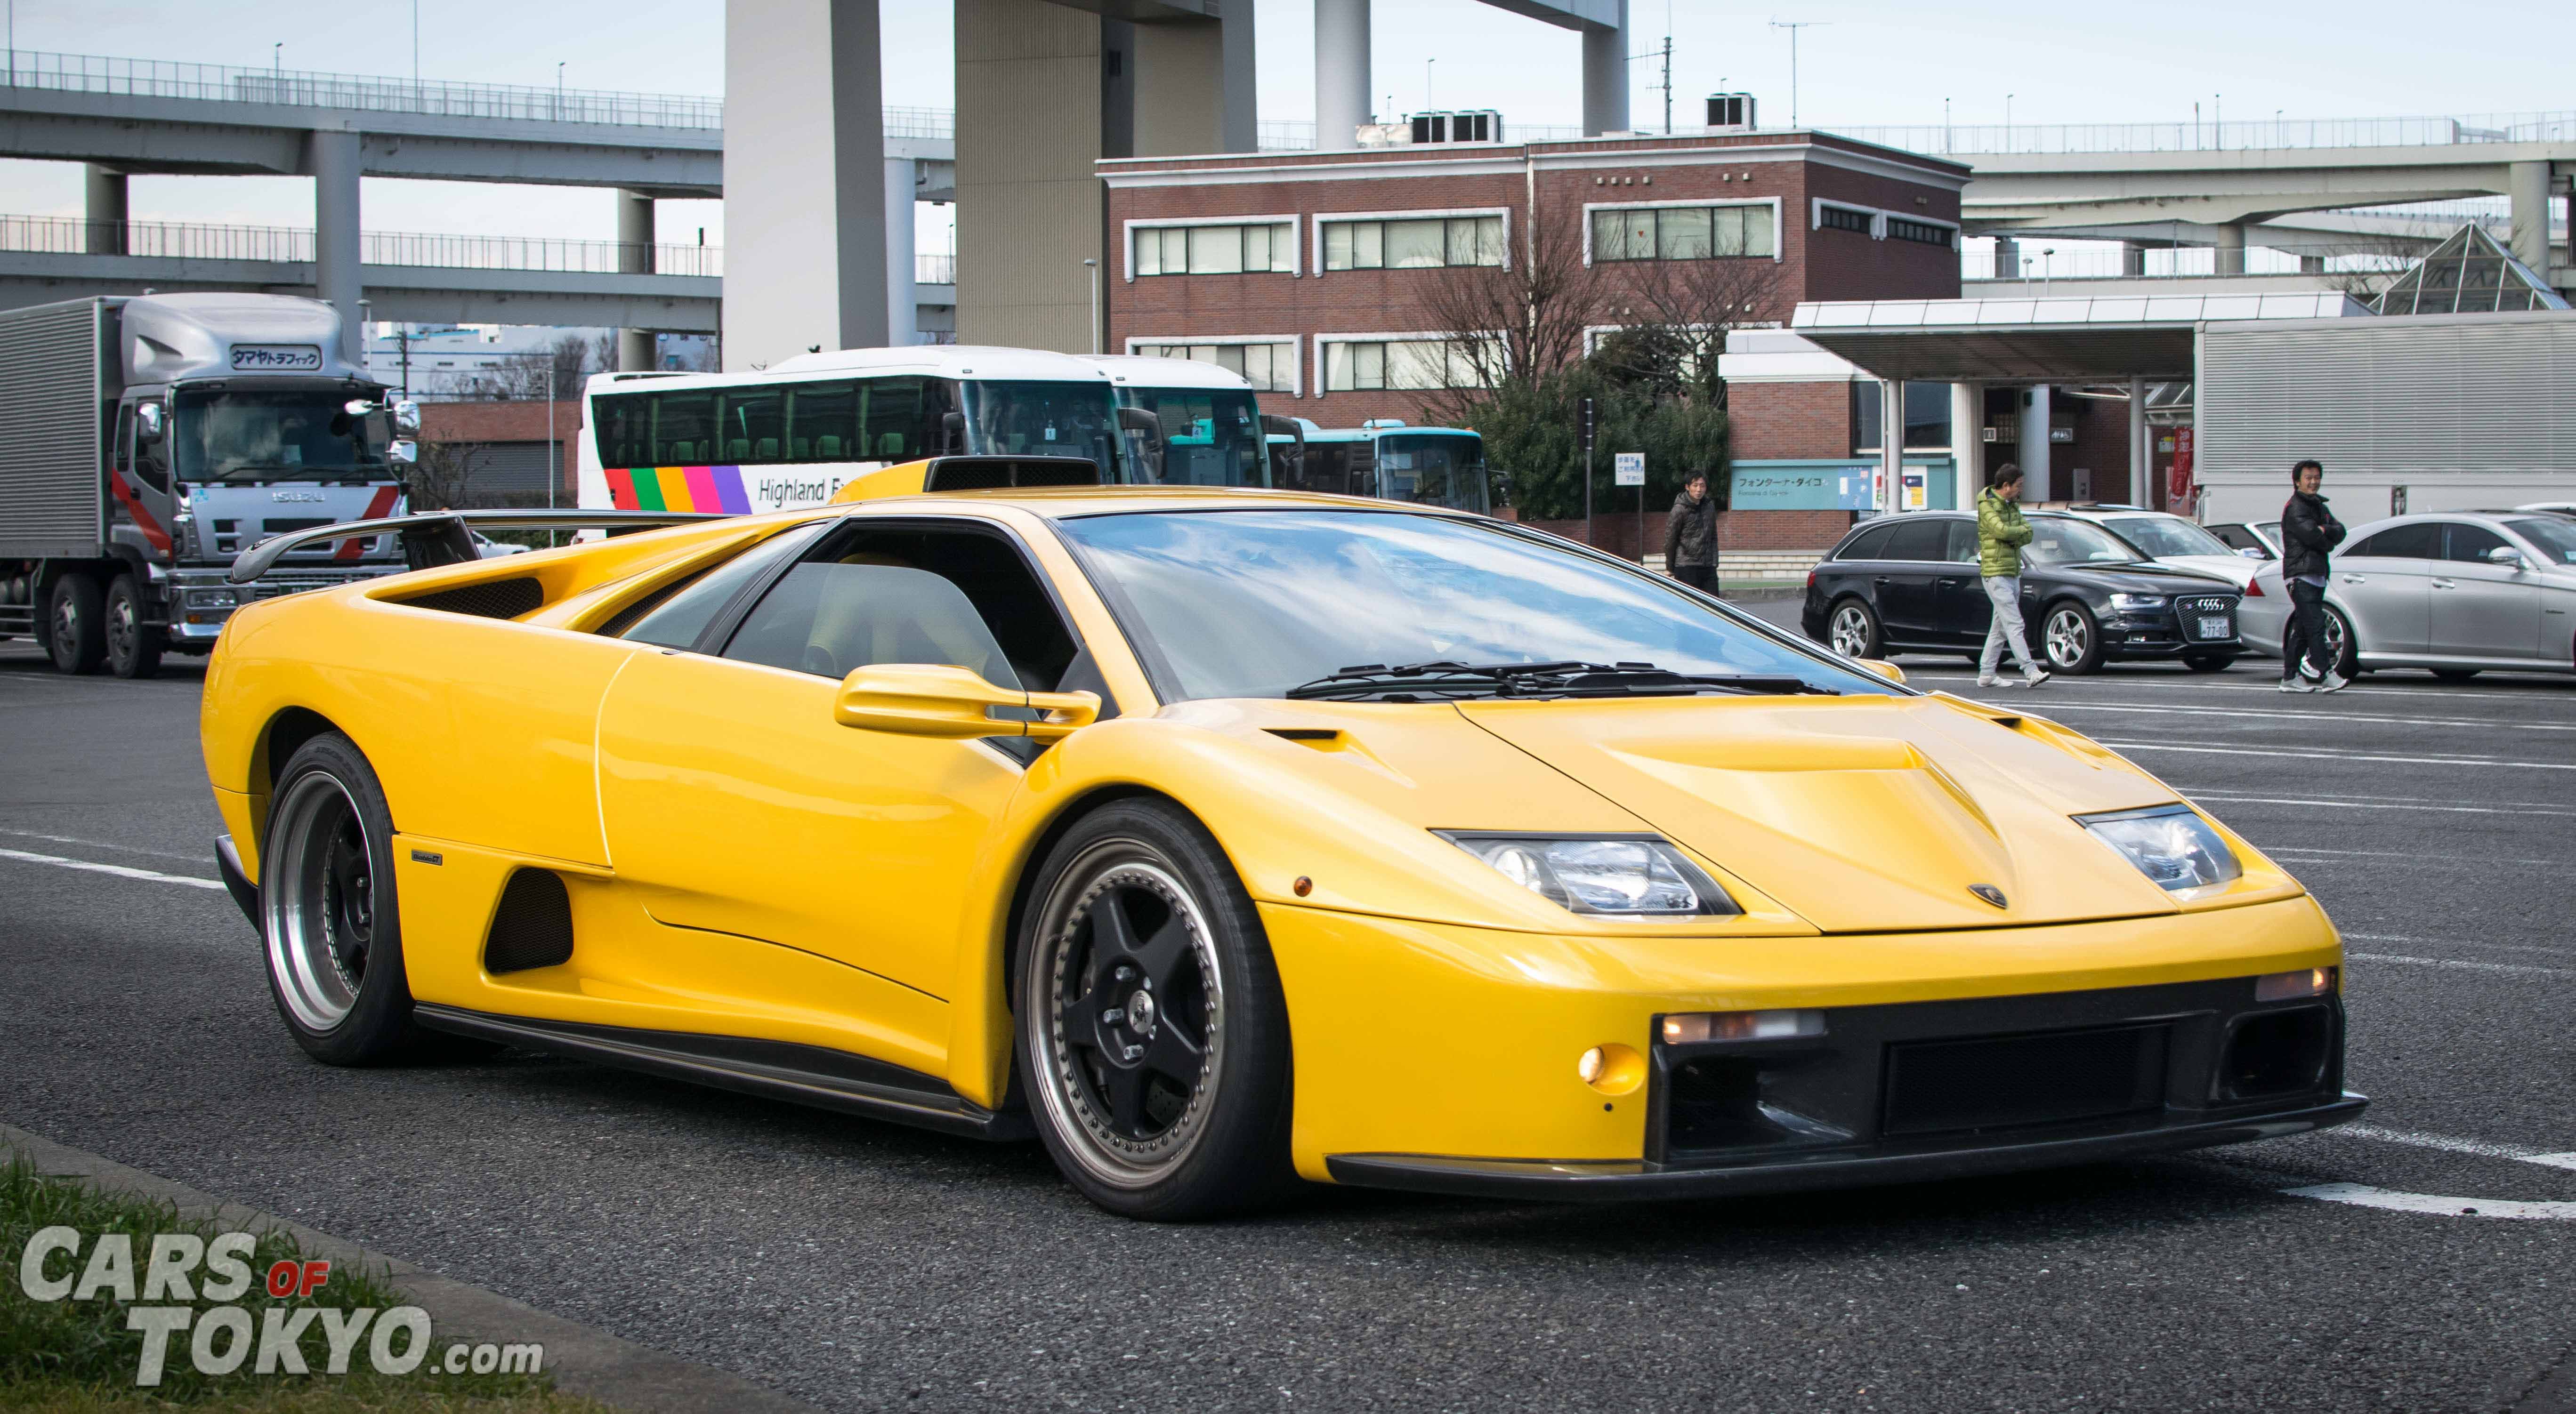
x,y
493,599
996,473
533,927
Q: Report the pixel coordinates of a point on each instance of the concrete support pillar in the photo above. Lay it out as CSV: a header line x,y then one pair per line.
x,y
2034,444
2527,184
2142,465
2231,248
331,158
903,302
1891,445
1605,77
635,237
1968,440
805,218
105,208
1342,99
2133,259
2007,258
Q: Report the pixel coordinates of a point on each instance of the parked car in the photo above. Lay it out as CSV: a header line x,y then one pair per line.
x,y
1909,584
2454,592
2259,540
2169,539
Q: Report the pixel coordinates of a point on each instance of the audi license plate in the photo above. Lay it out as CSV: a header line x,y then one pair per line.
x,y
2215,626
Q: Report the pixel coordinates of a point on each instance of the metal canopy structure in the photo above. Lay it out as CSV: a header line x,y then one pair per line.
x,y
2077,340
2469,274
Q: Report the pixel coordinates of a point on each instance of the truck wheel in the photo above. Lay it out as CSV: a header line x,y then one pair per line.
x,y
327,908
75,627
133,645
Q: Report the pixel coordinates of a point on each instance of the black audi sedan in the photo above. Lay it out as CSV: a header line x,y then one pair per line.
x,y
1909,584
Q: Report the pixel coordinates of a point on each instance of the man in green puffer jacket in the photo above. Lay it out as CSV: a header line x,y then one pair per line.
x,y
2001,532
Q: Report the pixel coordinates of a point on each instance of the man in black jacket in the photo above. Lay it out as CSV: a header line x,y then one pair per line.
x,y
1690,536
2308,531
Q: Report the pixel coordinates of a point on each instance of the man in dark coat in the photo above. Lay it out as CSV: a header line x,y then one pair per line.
x,y
2308,531
1690,536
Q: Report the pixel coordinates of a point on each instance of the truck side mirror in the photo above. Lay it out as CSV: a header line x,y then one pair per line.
x,y
402,453
147,422
407,417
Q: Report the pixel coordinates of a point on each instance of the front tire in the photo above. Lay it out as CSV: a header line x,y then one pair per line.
x,y
2208,662
1853,630
2071,639
75,625
133,645
328,911
1152,1031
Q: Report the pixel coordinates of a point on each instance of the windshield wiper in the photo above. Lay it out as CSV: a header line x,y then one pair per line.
x,y
1442,680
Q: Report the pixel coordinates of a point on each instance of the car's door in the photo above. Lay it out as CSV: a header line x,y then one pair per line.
x,y
734,803
2380,583
1960,609
2481,609
1913,561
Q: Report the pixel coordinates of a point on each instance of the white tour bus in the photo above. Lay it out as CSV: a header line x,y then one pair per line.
x,y
790,435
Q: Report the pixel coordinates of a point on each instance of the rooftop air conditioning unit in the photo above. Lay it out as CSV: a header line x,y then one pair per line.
x,y
1730,110
1475,125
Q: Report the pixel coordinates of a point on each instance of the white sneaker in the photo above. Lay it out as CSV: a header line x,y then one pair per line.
x,y
2297,684
1986,680
2335,682
2033,677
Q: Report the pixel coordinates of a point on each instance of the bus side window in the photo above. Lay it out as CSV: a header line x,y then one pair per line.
x,y
748,426
822,421
683,428
893,431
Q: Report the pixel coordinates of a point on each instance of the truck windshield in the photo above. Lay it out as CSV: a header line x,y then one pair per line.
x,y
1433,469
1211,436
274,434
1028,419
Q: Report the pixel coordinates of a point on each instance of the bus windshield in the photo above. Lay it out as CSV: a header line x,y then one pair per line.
x,y
1435,469
1030,419
1211,436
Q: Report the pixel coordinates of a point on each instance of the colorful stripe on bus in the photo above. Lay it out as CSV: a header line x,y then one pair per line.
x,y
678,488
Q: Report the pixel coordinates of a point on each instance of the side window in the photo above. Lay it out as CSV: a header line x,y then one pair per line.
x,y
894,424
1870,544
2469,543
680,615
906,594
683,431
1918,541
2403,542
822,422
747,425
152,462
1963,542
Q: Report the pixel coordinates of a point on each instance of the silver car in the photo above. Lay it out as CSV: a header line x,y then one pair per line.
x,y
2454,592
2169,539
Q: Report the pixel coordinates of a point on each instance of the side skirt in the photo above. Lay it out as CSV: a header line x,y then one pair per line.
x,y
777,1070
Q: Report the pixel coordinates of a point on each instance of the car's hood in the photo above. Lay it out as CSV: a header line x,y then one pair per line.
x,y
2150,576
2235,569
1858,813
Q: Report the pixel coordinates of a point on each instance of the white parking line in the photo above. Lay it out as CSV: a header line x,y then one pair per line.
x,y
2510,969
102,844
2057,705
2375,805
118,870
2447,1144
2319,753
2362,1195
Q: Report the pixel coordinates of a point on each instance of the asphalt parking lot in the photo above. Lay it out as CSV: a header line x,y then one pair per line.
x,y
861,1266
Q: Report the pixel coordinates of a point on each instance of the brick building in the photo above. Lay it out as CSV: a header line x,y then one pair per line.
x,y
1308,271
500,453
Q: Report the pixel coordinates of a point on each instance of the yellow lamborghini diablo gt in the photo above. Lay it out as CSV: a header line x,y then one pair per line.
x,y
1222,839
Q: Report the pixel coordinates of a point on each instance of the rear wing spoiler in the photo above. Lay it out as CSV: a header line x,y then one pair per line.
x,y
436,538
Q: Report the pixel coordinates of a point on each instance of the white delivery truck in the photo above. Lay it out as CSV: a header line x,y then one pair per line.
x,y
145,442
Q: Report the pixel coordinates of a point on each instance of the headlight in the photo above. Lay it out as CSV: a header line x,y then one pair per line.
x,y
209,598
2137,601
2170,844
1618,876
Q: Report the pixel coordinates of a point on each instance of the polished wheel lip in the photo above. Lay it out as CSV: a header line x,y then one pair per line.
x,y
2068,639
124,633
318,986
1850,631
66,625
1104,1155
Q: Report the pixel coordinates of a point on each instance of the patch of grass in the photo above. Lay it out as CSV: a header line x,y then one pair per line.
x,y
78,1355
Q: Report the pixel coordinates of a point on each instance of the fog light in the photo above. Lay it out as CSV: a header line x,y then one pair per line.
x,y
2289,986
1612,1069
1691,1028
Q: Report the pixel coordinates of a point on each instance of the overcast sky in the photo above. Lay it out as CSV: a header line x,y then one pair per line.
x,y
1865,63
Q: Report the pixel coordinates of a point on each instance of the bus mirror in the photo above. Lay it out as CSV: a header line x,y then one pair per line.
x,y
1277,426
147,422
952,433
1140,420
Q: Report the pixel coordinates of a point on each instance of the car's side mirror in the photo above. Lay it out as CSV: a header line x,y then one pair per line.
x,y
2251,553
937,699
1884,669
2505,555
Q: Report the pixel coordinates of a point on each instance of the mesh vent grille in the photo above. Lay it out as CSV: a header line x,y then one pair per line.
x,y
1939,1087
495,599
533,926
995,473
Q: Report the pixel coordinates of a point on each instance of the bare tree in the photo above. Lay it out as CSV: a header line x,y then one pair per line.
x,y
1522,320
1676,314
443,479
572,358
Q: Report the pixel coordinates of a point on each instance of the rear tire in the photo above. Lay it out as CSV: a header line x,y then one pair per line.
x,y
1852,629
2071,639
328,913
2208,662
1152,1031
133,645
75,624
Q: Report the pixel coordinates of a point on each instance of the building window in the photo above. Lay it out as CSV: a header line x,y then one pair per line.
x,y
1927,417
1394,364
1421,244
1901,229
1843,218
1215,250
1682,233
1269,368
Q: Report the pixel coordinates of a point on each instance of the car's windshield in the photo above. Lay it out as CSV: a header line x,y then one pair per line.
x,y
2165,537
2055,540
275,434
2552,537
1253,603
1436,469
1045,420
1211,436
